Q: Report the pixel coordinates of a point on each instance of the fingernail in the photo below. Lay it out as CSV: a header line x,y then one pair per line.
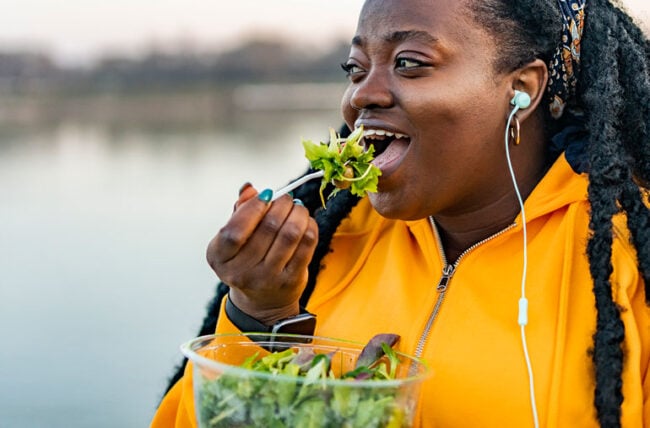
x,y
298,202
244,187
266,195
290,194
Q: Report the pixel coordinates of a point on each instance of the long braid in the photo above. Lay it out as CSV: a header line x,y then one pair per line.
x,y
614,95
613,90
604,105
607,354
638,222
634,57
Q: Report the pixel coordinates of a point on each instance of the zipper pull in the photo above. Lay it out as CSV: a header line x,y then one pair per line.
x,y
447,273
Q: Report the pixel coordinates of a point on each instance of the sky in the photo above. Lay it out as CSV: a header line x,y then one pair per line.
x,y
74,30
80,30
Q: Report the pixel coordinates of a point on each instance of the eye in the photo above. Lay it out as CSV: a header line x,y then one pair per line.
x,y
408,63
351,69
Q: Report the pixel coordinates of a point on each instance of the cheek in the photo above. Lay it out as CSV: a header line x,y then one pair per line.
x,y
438,120
456,118
349,114
455,136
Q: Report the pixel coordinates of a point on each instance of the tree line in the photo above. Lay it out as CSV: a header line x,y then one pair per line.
x,y
259,61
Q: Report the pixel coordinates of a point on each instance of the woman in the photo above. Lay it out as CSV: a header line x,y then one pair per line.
x,y
437,255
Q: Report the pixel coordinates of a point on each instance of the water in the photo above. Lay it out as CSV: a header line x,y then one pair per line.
x,y
103,233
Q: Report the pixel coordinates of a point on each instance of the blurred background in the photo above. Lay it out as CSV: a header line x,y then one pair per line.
x,y
126,129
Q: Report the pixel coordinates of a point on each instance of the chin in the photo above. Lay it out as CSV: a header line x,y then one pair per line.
x,y
392,205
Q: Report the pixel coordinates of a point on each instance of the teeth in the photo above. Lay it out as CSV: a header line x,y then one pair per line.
x,y
382,132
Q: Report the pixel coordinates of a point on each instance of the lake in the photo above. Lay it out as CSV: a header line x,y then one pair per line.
x,y
103,230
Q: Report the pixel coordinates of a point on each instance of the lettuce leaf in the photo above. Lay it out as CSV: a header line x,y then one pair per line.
x,y
334,159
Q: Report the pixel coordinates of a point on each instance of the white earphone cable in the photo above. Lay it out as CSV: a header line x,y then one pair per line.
x,y
523,302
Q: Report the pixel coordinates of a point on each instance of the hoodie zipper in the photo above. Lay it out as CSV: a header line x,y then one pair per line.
x,y
448,271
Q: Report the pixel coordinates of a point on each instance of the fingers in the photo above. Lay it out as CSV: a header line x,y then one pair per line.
x,y
268,229
246,192
250,211
301,258
263,251
294,241
261,232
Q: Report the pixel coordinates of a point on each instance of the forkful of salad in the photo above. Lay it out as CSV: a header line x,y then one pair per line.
x,y
343,162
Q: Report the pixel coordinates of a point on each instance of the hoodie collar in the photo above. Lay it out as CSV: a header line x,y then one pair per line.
x,y
560,187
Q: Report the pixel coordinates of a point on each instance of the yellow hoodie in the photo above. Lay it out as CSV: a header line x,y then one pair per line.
x,y
386,276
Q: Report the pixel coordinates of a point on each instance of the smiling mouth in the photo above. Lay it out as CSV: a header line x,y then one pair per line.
x,y
390,147
380,139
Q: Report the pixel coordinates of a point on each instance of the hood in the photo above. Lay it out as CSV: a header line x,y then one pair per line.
x,y
560,187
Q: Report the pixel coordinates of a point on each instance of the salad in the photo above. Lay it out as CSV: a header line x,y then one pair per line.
x,y
294,393
344,163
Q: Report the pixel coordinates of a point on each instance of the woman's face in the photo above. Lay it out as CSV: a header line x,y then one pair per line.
x,y
422,71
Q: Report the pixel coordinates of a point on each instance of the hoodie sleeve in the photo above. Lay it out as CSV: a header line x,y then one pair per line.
x,y
644,323
177,408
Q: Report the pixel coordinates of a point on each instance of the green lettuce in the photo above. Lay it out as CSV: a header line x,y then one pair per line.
x,y
345,163
262,401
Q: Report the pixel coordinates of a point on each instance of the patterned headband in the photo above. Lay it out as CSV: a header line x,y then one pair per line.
x,y
565,64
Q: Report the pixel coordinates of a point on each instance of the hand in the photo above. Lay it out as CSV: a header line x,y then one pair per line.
x,y
262,253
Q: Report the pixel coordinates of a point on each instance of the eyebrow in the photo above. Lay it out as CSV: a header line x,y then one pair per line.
x,y
401,36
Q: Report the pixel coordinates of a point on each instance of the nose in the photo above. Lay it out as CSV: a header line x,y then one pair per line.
x,y
373,91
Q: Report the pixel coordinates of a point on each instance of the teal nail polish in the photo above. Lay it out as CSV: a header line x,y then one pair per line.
x,y
266,195
298,202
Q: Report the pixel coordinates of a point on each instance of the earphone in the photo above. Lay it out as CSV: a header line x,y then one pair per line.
x,y
522,101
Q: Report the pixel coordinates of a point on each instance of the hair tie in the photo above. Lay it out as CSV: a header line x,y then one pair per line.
x,y
564,67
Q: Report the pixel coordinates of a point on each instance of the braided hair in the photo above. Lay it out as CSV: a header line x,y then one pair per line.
x,y
613,92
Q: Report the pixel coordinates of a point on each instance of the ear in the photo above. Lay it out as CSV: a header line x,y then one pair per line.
x,y
532,79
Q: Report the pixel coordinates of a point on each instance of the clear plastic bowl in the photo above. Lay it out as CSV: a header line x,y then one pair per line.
x,y
227,395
